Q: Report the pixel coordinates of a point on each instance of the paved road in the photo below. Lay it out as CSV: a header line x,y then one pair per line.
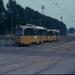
x,y
37,59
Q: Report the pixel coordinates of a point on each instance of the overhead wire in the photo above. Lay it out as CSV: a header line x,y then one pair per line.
x,y
48,4
62,9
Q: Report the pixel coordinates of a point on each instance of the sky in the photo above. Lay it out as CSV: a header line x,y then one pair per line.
x,y
52,10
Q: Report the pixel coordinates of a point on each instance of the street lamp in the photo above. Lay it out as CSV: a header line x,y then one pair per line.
x,y
12,24
43,7
61,18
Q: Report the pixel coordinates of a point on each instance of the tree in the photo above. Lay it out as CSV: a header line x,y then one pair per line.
x,y
1,7
15,15
11,5
71,30
34,17
1,16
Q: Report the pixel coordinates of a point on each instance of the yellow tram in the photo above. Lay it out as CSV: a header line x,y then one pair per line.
x,y
53,35
28,34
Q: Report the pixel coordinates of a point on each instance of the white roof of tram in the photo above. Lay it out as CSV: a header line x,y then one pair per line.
x,y
54,30
30,26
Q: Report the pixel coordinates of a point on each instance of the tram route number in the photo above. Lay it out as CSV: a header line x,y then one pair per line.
x,y
35,36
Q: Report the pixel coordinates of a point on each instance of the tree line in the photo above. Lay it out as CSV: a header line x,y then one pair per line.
x,y
71,30
14,14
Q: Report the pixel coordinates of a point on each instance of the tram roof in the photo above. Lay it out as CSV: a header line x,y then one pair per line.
x,y
30,26
25,26
39,27
54,30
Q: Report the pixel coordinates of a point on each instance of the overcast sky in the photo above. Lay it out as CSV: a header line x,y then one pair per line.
x,y
52,10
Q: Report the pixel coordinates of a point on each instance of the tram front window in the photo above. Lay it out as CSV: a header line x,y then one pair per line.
x,y
18,32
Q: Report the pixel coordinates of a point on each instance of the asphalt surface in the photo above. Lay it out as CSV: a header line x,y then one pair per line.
x,y
37,59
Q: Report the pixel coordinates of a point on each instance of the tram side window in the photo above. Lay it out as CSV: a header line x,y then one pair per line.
x,y
41,32
29,31
56,33
45,32
36,32
50,33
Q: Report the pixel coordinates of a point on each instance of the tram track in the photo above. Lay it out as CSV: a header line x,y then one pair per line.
x,y
33,63
21,61
17,60
36,60
51,47
21,67
49,66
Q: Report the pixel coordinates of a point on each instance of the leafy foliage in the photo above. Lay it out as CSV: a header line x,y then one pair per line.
x,y
2,10
71,30
16,15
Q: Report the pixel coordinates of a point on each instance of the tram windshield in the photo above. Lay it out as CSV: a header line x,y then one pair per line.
x,y
18,32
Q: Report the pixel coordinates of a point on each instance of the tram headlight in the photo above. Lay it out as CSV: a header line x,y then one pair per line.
x,y
17,39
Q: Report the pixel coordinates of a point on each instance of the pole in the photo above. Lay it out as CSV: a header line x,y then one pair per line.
x,y
61,18
43,7
12,27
